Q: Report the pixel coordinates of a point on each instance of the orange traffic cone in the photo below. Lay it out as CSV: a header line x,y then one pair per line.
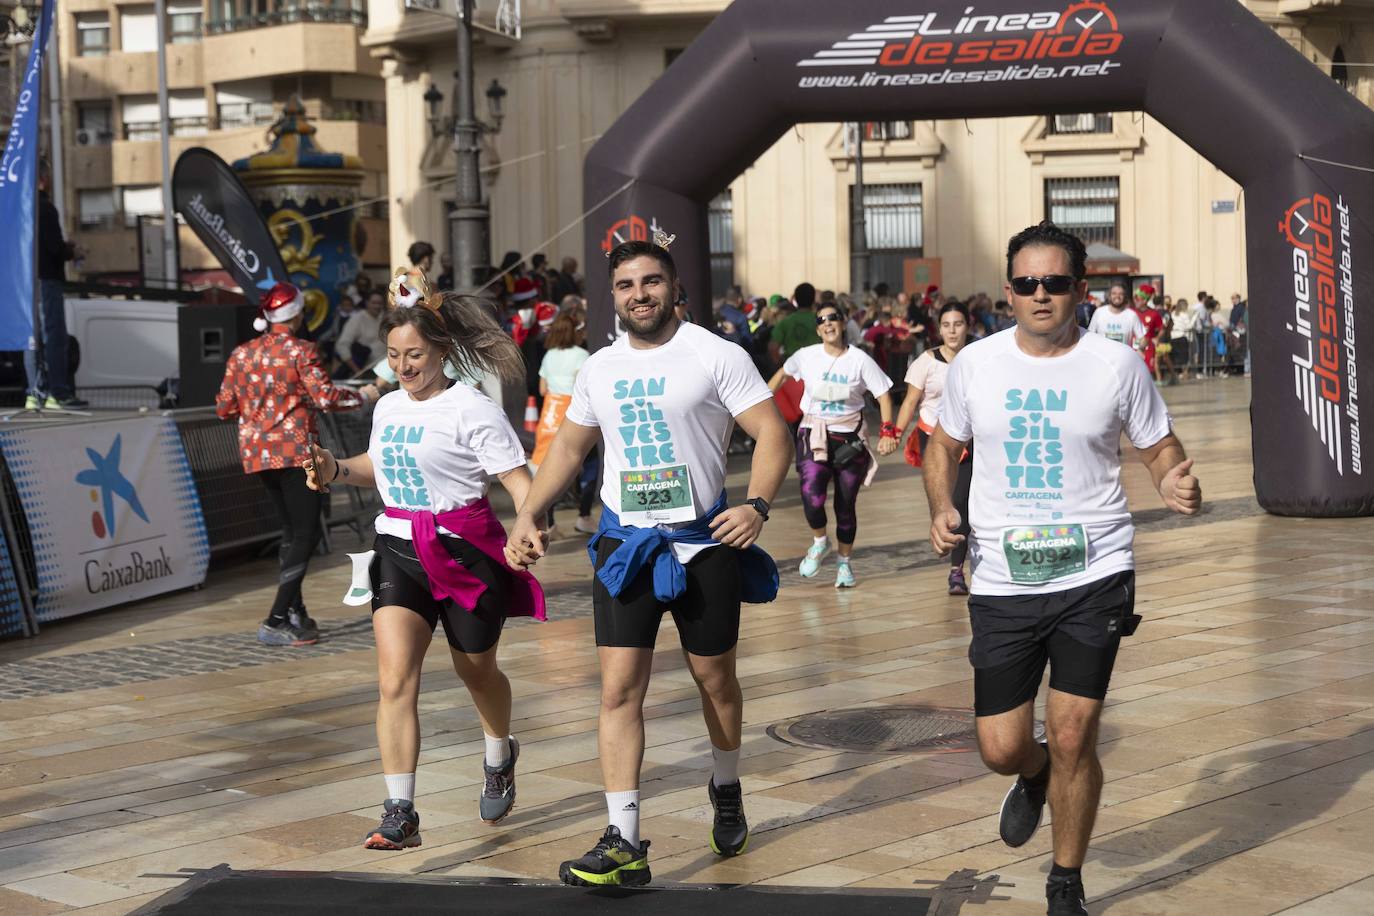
x,y
531,415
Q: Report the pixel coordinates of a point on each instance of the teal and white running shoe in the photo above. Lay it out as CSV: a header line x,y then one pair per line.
x,y
844,576
811,563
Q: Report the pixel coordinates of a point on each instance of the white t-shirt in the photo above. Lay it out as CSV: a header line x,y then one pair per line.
x,y
1123,327
560,366
665,416
928,374
835,385
440,453
1047,470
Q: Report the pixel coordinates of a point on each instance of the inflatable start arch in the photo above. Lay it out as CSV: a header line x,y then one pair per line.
x,y
1207,69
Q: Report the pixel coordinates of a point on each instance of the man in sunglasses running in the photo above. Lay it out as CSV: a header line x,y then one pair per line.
x,y
1051,542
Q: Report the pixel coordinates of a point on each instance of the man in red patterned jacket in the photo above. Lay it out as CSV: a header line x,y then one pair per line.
x,y
273,384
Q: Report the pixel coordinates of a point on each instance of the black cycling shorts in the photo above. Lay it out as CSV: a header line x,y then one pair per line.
x,y
706,614
398,579
1077,631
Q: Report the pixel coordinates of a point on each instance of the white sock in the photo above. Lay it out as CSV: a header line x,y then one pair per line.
x,y
498,750
819,540
726,770
400,785
842,560
623,808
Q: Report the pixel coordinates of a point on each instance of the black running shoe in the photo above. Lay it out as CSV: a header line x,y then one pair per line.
x,y
730,832
1021,811
498,787
1065,896
271,633
400,827
612,861
301,620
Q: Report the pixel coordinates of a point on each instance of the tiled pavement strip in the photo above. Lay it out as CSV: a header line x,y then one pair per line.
x,y
209,654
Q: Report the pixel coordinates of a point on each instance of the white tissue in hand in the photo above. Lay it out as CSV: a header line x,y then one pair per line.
x,y
360,591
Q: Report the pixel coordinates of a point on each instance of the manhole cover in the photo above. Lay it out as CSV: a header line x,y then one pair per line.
x,y
880,728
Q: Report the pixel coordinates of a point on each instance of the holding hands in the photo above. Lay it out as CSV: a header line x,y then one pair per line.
x,y
525,544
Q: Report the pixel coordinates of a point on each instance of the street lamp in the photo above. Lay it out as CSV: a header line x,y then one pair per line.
x,y
495,94
433,98
442,126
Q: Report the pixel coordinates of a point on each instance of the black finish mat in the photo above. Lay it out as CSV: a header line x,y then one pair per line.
x,y
224,891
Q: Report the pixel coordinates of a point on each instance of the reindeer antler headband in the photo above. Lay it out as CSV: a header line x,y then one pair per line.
x,y
661,239
411,289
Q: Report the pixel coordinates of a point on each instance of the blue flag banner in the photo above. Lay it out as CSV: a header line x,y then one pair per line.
x,y
18,193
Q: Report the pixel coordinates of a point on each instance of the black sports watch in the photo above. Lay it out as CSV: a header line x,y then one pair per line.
x,y
760,506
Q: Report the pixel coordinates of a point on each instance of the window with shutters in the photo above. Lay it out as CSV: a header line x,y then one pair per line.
x,y
1090,208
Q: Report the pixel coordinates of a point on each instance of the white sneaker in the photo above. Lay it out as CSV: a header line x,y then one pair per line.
x,y
844,575
811,563
589,527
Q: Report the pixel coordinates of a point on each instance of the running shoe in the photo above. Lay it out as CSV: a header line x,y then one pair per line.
x,y
811,563
72,403
498,787
730,831
1021,811
399,829
32,402
844,575
1065,896
957,585
300,618
587,527
284,634
612,861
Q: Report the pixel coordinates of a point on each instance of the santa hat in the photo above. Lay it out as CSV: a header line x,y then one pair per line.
x,y
279,305
545,313
524,289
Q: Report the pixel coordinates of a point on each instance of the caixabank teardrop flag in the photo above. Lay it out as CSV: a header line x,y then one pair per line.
x,y
1209,70
216,206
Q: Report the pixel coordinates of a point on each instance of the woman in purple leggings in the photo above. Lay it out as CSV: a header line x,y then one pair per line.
x,y
831,445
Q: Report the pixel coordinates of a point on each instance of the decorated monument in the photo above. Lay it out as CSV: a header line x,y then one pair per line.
x,y
306,195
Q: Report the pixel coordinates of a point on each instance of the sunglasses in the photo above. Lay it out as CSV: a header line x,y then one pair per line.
x,y
1055,284
825,318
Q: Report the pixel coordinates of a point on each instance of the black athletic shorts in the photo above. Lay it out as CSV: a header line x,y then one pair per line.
x,y
706,614
398,579
1077,631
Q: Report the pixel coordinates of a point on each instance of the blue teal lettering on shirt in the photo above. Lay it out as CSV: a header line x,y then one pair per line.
x,y
406,485
836,407
1034,451
644,434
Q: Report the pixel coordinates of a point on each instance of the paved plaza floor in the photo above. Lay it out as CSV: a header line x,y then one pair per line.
x,y
1238,742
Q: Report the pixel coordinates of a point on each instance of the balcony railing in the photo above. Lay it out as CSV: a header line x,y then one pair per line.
x,y
285,17
181,127
233,115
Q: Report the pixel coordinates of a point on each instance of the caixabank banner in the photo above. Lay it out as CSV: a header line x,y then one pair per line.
x,y
1300,146
112,511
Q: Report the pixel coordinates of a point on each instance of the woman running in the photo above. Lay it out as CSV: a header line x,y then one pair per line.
x,y
831,444
925,383
435,446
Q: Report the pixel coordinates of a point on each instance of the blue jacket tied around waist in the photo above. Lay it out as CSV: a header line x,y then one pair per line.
x,y
639,546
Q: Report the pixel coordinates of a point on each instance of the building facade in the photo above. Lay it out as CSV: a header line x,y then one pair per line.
x,y
231,66
950,192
